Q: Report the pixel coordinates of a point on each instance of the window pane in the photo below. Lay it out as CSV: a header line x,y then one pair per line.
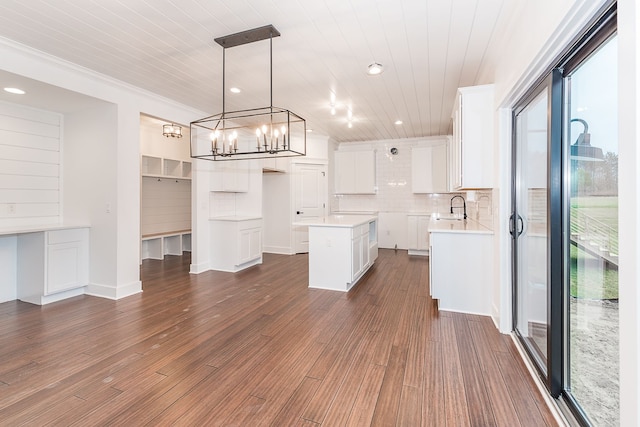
x,y
593,251
531,165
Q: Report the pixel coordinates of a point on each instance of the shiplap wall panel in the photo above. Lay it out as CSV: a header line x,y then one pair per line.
x,y
28,113
30,163
30,127
28,140
16,167
165,205
29,196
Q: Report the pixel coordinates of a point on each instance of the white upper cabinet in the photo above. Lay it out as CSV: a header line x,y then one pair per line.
x,y
230,176
472,145
429,168
355,172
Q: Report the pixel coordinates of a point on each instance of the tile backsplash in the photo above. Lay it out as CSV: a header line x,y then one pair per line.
x,y
395,199
394,192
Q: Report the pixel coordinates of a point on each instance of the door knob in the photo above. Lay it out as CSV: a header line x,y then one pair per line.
x,y
298,212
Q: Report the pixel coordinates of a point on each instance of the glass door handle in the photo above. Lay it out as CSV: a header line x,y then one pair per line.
x,y
513,225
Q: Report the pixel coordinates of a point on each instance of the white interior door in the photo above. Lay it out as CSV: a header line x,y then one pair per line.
x,y
310,200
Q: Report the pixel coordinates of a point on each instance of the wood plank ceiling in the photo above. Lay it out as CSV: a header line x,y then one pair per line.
x,y
428,49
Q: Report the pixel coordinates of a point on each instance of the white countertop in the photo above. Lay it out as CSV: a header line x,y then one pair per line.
x,y
450,224
337,221
7,231
235,218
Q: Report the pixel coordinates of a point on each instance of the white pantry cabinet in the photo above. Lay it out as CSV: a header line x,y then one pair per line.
x,y
472,144
429,171
355,172
52,265
230,176
418,234
236,242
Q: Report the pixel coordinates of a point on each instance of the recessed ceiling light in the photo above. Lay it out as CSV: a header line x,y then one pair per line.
x,y
350,125
309,130
14,90
398,122
374,69
235,90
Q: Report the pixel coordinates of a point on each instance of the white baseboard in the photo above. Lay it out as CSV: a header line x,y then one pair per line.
x,y
114,293
279,250
199,268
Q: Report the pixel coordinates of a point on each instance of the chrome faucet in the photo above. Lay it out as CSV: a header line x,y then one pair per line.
x,y
464,206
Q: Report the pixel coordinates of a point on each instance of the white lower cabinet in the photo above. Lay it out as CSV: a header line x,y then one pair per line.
x,y
341,253
461,271
236,243
418,234
52,265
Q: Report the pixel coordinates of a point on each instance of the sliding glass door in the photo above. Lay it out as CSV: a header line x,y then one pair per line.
x,y
592,244
565,226
536,159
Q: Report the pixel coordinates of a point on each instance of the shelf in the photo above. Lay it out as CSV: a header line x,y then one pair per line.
x,y
151,165
157,167
156,246
172,168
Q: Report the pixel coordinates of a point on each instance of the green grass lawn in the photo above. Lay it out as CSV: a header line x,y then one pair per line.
x,y
602,208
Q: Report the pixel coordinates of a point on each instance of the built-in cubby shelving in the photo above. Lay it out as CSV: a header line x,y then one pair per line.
x,y
156,246
160,167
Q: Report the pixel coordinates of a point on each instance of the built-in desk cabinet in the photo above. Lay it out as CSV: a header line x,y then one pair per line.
x,y
52,265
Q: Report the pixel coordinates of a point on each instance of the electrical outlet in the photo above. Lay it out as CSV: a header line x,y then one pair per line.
x,y
11,208
108,208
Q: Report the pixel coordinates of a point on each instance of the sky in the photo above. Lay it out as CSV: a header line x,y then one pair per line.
x,y
594,97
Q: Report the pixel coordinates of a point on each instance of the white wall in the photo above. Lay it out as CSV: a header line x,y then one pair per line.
x,y
120,269
394,198
537,35
629,208
90,194
30,157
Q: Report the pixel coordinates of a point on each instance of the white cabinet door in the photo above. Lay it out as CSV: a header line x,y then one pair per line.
x,y
67,260
412,232
429,171
356,257
365,172
355,172
345,173
418,234
364,243
250,243
473,129
423,233
230,176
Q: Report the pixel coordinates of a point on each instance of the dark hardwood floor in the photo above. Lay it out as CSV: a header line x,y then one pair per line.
x,y
260,348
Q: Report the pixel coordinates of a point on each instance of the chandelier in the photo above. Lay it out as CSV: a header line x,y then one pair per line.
x,y
173,131
264,132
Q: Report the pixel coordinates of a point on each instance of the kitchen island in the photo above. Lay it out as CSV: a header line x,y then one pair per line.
x,y
461,264
341,249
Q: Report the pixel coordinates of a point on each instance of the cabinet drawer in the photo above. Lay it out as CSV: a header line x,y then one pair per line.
x,y
65,236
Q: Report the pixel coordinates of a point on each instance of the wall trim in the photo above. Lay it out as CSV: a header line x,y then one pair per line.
x,y
114,293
